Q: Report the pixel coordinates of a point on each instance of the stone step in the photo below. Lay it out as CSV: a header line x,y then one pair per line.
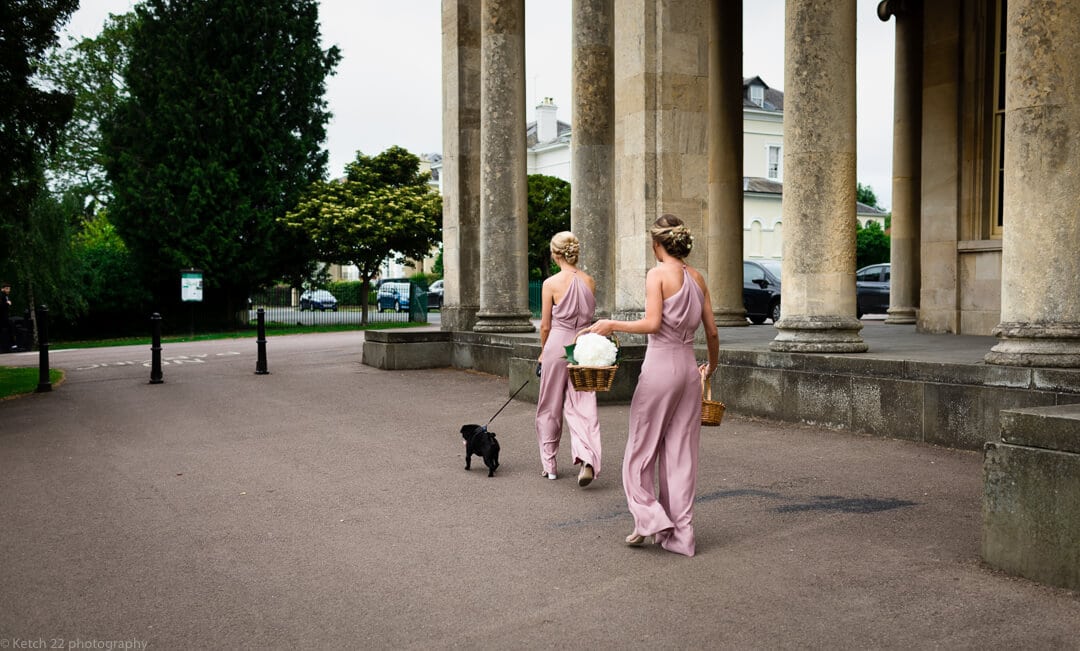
x,y
1049,428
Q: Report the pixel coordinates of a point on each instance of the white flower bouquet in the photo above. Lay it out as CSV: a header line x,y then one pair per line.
x,y
591,361
591,349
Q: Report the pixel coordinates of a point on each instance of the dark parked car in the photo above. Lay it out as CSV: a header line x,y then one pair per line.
x,y
761,290
872,289
435,295
317,299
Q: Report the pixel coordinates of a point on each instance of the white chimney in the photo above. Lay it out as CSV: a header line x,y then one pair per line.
x,y
547,125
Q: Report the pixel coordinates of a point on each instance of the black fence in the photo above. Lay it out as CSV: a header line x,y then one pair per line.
x,y
391,302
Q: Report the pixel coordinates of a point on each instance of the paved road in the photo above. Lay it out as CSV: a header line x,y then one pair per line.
x,y
326,506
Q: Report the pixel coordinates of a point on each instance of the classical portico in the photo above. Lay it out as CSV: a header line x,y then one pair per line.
x,y
984,181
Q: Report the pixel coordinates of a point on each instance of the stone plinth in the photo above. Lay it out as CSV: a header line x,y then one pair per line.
x,y
1031,498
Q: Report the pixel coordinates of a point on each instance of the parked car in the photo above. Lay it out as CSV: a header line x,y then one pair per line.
x,y
872,289
393,295
761,290
435,295
317,299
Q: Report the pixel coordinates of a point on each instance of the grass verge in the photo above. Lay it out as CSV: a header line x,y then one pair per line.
x,y
271,329
17,381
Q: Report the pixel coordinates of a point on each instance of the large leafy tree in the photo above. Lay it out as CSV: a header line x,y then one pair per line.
x,y
549,213
865,194
382,207
871,245
31,118
91,71
220,135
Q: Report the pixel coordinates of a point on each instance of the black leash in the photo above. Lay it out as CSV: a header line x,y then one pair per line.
x,y
506,403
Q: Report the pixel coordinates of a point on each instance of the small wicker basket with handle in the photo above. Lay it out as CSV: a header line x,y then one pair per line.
x,y
592,378
712,411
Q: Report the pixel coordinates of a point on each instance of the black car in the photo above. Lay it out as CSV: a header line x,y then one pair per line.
x,y
435,295
761,290
872,289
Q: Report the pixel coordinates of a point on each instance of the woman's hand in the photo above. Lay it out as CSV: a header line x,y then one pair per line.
x,y
706,369
603,327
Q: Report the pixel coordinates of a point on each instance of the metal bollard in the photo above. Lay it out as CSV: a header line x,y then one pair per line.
x,y
43,349
260,364
155,349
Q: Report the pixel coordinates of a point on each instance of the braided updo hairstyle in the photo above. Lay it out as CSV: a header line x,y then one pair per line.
x,y
566,245
672,234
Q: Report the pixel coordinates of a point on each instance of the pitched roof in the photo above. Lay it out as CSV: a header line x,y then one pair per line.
x,y
773,100
530,133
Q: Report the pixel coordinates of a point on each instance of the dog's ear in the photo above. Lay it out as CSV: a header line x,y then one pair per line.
x,y
465,429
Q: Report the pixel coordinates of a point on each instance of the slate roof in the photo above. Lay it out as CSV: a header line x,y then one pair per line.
x,y
530,133
774,99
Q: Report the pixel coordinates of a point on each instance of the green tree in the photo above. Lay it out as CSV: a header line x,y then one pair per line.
x,y
865,194
549,213
871,245
382,207
91,71
31,118
220,135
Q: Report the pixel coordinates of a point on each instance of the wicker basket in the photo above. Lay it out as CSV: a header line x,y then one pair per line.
x,y
712,412
592,378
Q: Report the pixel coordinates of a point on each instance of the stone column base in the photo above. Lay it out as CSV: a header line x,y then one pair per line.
x,y
901,315
1021,344
504,323
818,334
458,317
730,318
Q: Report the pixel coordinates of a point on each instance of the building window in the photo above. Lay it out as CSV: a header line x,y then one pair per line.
x,y
997,167
757,95
774,160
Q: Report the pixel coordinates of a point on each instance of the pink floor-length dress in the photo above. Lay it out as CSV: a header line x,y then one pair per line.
x,y
557,395
665,427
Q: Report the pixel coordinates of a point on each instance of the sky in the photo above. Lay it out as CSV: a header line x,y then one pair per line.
x,y
388,88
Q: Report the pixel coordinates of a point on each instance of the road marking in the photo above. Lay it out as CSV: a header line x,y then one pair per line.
x,y
174,360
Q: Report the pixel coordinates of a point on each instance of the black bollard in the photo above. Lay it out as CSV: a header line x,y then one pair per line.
x,y
155,349
260,364
43,350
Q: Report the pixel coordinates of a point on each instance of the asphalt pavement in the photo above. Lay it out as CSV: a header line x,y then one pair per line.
x,y
326,505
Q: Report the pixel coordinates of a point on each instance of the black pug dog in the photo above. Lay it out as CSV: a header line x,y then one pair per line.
x,y
482,443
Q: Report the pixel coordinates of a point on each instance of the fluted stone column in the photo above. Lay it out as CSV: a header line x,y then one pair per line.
x,y
592,173
461,163
504,279
1040,307
907,155
725,227
818,312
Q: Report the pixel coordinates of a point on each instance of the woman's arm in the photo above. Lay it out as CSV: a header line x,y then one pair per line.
x,y
654,306
712,335
547,300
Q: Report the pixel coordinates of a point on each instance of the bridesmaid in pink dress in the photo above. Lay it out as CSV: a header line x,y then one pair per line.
x,y
665,414
568,305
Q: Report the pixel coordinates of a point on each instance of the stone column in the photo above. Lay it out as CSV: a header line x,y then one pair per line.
x,y
725,227
592,173
907,154
504,276
1040,307
818,311
661,134
461,163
